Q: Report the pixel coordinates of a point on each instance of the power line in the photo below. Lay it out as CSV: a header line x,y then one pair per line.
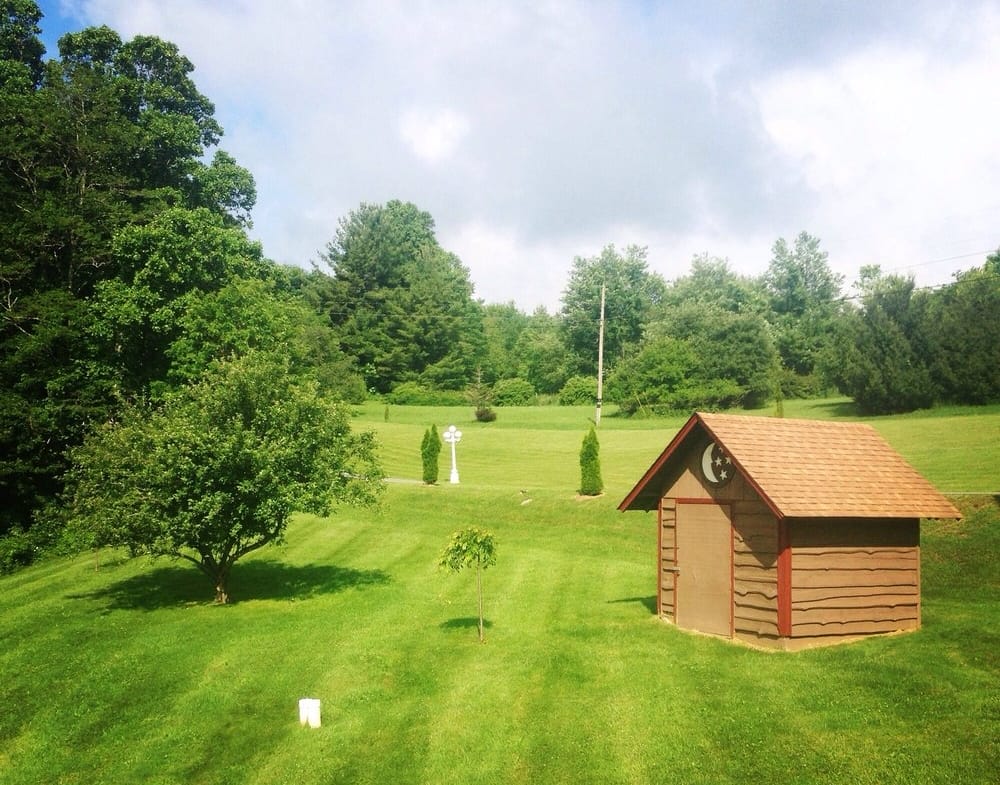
x,y
939,261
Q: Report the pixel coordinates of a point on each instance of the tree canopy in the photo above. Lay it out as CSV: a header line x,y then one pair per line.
x,y
631,292
127,278
471,547
108,217
215,472
803,296
402,305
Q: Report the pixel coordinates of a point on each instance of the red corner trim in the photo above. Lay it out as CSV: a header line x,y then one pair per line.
x,y
659,559
784,580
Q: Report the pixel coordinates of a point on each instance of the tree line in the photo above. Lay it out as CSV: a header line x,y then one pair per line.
x,y
127,277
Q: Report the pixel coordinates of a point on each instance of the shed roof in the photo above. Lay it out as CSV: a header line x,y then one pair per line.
x,y
806,469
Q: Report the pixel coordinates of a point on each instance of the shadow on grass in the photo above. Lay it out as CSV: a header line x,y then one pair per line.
x,y
846,410
649,602
467,622
180,584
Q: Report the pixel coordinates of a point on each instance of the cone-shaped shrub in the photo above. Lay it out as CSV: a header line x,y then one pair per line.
x,y
430,449
591,483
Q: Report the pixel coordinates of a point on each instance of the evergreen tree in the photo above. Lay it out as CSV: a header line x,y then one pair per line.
x,y
878,361
591,483
402,305
430,452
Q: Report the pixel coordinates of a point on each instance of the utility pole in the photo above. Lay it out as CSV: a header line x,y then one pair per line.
x,y
600,361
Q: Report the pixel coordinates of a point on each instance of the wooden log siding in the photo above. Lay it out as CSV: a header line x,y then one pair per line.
x,y
855,577
667,556
755,574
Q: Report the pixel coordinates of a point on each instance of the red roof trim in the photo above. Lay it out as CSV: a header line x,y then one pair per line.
x,y
857,457
746,475
658,463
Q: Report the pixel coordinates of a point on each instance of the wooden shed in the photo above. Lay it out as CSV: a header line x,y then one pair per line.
x,y
786,533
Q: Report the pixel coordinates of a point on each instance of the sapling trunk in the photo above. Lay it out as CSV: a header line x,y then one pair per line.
x,y
479,586
471,548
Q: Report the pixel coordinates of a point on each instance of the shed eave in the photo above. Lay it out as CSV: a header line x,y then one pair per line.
x,y
633,499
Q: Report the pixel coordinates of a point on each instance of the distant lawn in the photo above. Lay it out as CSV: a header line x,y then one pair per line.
x,y
956,448
126,673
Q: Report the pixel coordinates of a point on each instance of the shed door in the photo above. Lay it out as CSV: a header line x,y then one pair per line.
x,y
704,568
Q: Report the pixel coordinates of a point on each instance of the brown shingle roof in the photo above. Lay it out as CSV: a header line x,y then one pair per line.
x,y
813,469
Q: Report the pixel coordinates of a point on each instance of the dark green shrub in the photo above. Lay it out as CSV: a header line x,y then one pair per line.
x,y
485,414
514,392
591,483
348,387
430,450
416,394
578,391
16,550
794,385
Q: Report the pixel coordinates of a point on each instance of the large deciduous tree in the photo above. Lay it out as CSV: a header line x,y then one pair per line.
x,y
542,356
712,283
108,135
659,377
216,471
160,267
253,315
631,293
804,298
503,326
733,348
20,48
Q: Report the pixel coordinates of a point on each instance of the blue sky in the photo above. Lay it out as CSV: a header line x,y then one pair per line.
x,y
539,131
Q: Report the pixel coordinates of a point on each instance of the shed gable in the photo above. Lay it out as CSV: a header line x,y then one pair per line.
x,y
803,469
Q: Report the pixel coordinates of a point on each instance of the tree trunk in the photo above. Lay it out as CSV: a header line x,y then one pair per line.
x,y
479,586
221,587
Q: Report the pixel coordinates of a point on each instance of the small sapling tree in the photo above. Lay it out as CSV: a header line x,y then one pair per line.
x,y
481,396
471,548
430,450
591,483
216,471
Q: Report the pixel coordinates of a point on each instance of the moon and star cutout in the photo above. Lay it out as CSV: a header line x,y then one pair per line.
x,y
716,466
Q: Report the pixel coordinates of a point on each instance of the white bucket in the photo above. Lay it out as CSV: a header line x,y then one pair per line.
x,y
309,712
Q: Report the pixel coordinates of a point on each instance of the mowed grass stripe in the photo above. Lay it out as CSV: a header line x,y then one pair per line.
x,y
128,673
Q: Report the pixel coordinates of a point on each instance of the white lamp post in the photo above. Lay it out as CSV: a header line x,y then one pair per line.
x,y
453,436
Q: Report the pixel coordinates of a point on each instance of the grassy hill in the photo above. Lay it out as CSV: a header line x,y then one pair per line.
x,y
117,670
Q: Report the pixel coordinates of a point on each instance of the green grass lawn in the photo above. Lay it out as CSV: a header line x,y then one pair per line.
x,y
956,448
122,671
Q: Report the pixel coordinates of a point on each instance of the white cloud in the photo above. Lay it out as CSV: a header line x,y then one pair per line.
x,y
505,267
433,135
899,145
536,132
